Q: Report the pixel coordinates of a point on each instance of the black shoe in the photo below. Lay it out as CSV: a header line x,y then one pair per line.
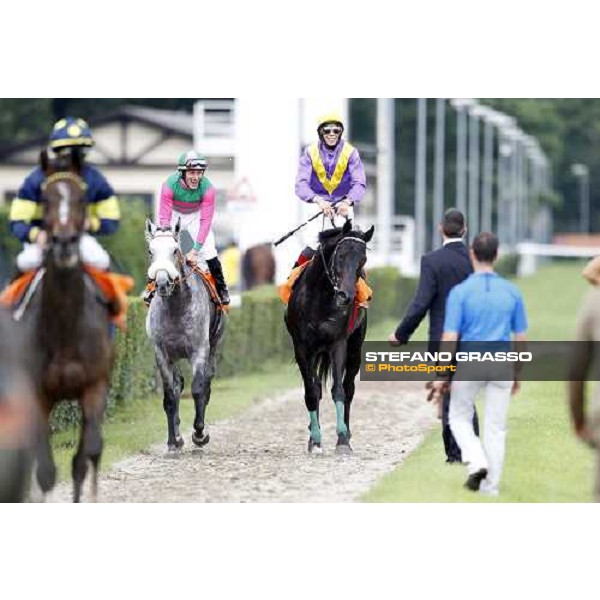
x,y
475,479
224,295
214,265
453,461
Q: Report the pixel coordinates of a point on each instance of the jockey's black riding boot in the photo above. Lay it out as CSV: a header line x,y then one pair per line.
x,y
306,255
214,265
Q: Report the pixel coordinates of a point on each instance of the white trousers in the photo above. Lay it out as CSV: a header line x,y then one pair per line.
x,y
490,455
191,224
92,254
323,224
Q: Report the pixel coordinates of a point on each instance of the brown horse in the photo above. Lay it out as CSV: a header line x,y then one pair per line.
x,y
258,266
67,328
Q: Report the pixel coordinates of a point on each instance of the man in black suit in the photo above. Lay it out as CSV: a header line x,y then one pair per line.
x,y
441,270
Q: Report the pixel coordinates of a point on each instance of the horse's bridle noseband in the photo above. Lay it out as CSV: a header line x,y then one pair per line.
x,y
330,269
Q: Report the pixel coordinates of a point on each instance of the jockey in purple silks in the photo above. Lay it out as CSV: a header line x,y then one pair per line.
x,y
329,170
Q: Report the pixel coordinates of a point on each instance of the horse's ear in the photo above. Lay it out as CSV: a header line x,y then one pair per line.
x,y
178,227
347,227
149,229
369,234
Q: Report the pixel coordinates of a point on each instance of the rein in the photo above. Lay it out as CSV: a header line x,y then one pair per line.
x,y
182,279
330,269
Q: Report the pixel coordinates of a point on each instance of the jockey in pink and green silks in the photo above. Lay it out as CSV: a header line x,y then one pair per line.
x,y
188,195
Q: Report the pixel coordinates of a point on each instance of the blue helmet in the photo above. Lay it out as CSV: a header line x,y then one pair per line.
x,y
69,132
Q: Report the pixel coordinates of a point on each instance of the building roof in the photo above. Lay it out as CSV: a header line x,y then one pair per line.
x,y
218,122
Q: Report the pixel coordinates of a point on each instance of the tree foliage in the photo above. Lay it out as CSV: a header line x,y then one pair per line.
x,y
568,130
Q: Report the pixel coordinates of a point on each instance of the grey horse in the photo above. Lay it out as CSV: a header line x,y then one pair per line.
x,y
182,323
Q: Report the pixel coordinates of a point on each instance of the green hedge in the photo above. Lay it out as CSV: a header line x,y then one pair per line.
x,y
255,333
507,265
391,293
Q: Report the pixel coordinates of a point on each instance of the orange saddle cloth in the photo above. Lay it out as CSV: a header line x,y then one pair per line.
x,y
361,298
113,286
210,284
14,291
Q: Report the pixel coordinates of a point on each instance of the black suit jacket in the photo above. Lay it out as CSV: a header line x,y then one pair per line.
x,y
441,270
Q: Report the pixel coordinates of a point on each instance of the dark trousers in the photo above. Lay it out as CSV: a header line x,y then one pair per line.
x,y
452,449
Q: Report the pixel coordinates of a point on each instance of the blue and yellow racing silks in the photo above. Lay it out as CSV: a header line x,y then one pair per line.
x,y
26,212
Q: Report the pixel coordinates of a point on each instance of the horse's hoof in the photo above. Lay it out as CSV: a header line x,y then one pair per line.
x,y
343,445
344,450
176,445
314,447
200,440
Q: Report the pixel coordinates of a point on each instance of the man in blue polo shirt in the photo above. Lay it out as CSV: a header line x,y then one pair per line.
x,y
484,308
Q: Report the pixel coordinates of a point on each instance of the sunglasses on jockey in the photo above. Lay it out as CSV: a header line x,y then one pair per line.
x,y
195,166
331,130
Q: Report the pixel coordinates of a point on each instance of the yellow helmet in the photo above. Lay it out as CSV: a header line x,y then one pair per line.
x,y
330,117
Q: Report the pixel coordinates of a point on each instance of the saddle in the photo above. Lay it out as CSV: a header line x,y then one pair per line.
x,y
362,296
363,293
208,280
112,292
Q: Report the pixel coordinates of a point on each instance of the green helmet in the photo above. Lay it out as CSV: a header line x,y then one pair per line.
x,y
191,160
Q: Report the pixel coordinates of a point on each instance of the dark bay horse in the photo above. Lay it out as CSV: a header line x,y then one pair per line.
x,y
258,266
66,328
318,319
183,324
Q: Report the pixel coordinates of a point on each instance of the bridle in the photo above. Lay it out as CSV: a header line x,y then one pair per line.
x,y
330,269
181,278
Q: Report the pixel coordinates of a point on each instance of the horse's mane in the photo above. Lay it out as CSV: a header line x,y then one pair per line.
x,y
329,238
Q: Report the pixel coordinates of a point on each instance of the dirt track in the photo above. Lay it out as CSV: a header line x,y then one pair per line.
x,y
260,455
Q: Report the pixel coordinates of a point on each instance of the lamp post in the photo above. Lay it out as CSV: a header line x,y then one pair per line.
x,y
488,168
386,164
583,174
461,105
421,177
438,174
475,113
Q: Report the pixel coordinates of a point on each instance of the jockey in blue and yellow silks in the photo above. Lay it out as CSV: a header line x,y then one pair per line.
x,y
329,170
26,212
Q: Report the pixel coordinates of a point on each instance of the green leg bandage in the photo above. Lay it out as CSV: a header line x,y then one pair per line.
x,y
339,413
315,429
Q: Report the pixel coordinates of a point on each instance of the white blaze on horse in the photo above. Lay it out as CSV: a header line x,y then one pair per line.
x,y
183,323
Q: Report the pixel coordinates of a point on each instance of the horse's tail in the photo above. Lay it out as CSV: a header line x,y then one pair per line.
x,y
323,365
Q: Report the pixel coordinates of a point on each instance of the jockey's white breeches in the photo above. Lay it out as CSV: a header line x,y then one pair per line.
x,y
323,224
92,254
191,224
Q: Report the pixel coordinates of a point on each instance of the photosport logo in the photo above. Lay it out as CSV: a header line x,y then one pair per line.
x,y
475,361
